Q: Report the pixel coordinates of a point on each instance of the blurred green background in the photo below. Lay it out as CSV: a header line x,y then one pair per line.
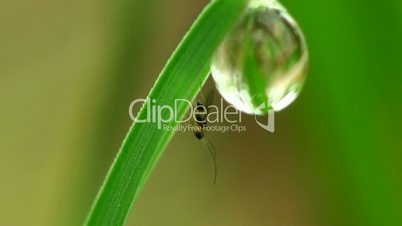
x,y
69,70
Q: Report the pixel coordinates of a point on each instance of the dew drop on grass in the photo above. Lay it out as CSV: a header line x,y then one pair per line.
x,y
262,61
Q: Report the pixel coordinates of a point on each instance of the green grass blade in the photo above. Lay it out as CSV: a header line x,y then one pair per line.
x,y
181,78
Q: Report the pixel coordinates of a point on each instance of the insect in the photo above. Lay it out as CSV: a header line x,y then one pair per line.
x,y
201,112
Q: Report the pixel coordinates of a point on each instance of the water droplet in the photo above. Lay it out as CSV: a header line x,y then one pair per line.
x,y
263,61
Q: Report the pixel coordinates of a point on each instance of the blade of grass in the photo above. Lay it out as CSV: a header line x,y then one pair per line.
x,y
180,79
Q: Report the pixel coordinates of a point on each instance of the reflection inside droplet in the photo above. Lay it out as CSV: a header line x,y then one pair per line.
x,y
262,61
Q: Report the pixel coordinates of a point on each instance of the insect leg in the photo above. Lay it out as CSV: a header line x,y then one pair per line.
x,y
212,151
